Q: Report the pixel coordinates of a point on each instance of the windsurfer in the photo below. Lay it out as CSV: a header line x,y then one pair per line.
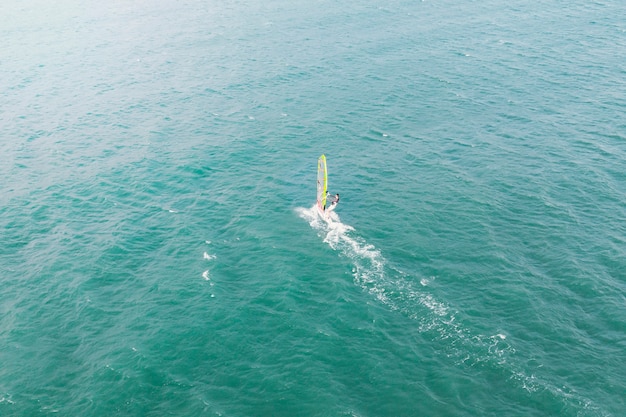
x,y
334,200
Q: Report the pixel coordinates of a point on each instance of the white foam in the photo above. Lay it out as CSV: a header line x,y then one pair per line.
x,y
371,272
7,400
208,257
205,275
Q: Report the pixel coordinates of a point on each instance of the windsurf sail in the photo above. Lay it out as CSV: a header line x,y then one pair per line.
x,y
322,182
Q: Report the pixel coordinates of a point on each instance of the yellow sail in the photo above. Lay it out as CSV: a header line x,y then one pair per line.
x,y
322,182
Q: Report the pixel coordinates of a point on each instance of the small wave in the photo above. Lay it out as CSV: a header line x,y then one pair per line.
x,y
7,400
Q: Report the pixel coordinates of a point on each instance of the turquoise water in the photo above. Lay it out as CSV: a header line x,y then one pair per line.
x,y
161,254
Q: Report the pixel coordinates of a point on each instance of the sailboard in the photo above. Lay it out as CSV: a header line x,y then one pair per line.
x,y
322,183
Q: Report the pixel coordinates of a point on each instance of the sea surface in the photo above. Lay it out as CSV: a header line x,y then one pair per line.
x,y
160,250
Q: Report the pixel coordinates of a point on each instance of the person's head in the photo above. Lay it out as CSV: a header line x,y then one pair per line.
x,y
337,194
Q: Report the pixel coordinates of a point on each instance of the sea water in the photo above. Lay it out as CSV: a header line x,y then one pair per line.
x,y
161,253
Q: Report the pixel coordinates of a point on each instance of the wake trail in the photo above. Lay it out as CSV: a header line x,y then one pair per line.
x,y
409,296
